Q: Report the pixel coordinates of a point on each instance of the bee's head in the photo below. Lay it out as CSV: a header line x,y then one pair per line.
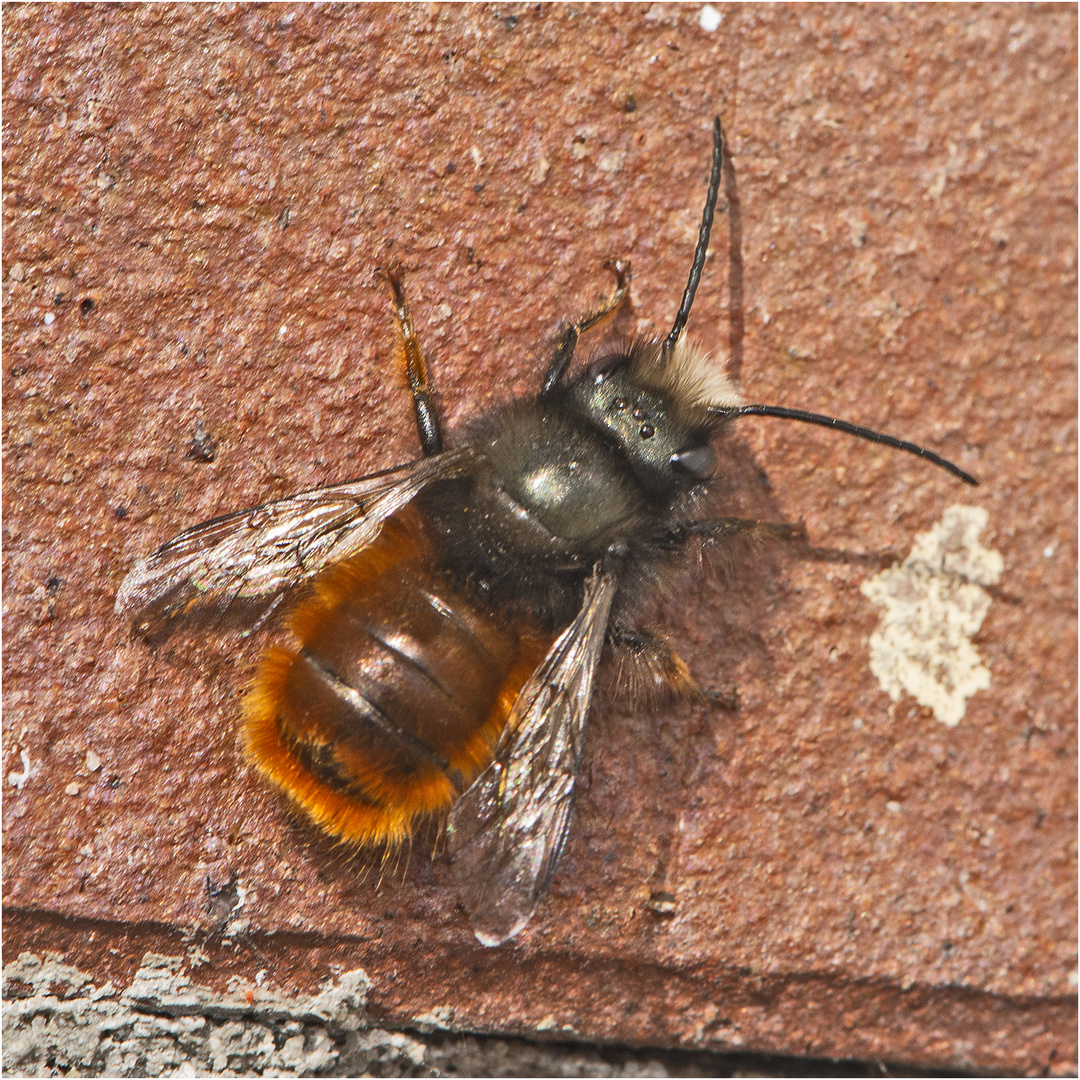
x,y
660,411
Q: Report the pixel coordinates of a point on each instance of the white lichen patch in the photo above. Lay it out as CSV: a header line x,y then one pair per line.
x,y
933,603
56,1022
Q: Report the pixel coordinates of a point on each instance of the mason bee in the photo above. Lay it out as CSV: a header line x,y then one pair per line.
x,y
453,611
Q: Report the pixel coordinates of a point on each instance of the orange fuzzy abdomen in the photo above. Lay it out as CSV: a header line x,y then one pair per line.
x,y
393,697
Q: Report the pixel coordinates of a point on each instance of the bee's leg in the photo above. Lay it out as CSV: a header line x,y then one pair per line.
x,y
665,666
416,369
568,337
718,528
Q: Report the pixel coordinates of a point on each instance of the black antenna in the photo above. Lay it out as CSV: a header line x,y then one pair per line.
x,y
851,429
702,243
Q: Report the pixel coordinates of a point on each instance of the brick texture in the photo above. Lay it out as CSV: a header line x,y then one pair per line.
x,y
195,200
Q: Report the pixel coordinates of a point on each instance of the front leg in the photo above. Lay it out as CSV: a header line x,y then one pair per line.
x,y
722,528
568,337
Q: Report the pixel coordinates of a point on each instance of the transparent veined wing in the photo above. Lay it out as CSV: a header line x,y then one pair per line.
x,y
507,832
253,554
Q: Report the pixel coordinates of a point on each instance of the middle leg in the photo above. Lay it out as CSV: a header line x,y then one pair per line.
x,y
416,369
654,655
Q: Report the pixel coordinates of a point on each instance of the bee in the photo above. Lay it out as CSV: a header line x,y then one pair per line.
x,y
450,613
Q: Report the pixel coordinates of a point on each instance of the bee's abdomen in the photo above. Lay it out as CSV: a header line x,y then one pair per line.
x,y
392,698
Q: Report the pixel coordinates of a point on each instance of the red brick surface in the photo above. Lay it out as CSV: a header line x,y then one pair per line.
x,y
221,182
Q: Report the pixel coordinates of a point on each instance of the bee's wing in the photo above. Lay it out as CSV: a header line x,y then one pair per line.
x,y
253,554
507,832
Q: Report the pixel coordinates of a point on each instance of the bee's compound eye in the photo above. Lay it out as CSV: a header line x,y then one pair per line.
x,y
607,365
700,462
